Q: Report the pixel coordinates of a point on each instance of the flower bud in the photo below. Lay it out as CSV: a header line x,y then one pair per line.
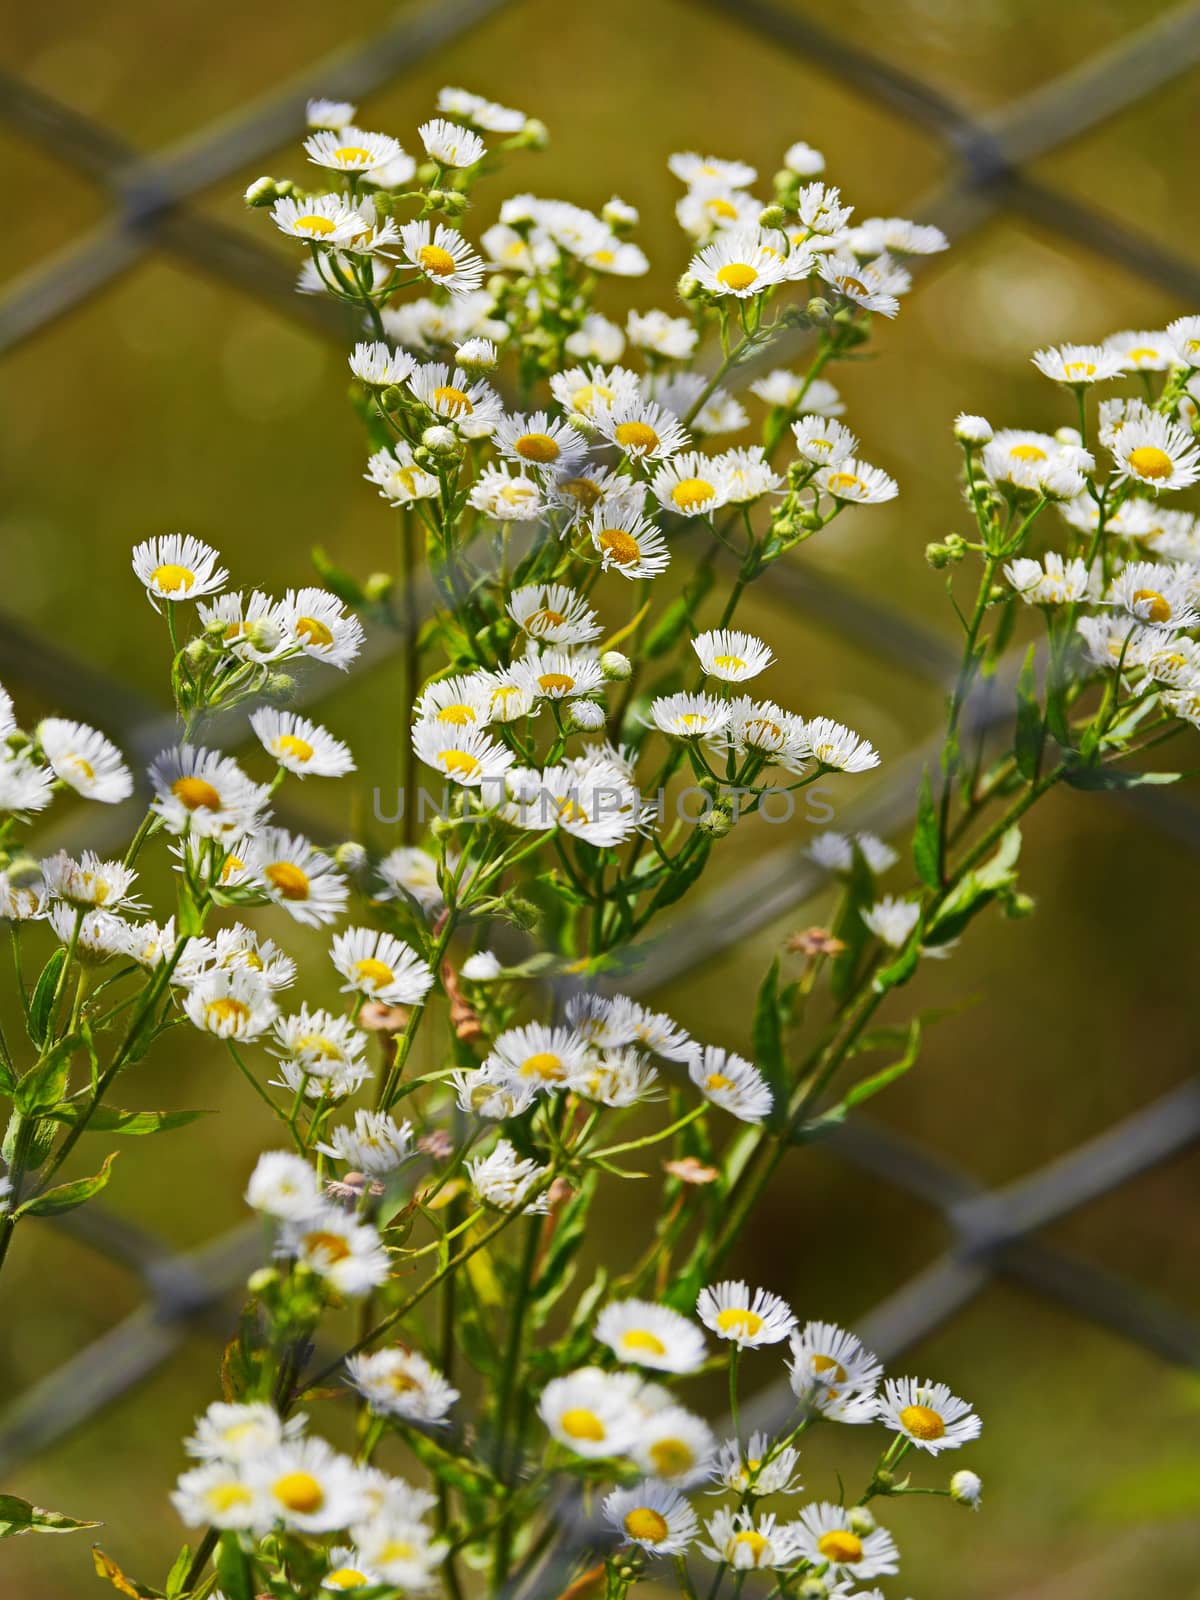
x,y
619,216
818,309
584,716
476,355
378,586
350,855
937,556
860,1521
196,651
535,135
689,288
265,191
280,685
813,1589
969,429
615,666
23,872
440,440
262,1281
393,397
771,217
717,823
522,912
263,634
967,1489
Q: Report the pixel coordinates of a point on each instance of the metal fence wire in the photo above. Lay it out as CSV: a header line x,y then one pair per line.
x,y
991,1234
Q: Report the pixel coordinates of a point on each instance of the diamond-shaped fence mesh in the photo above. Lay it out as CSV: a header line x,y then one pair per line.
x,y
991,1233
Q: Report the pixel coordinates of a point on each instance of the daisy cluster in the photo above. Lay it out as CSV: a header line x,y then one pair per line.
x,y
637,1425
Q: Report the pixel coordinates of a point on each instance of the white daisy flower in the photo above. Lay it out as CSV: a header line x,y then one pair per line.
x,y
297,876
381,967
714,207
347,1254
760,1471
100,934
253,628
834,745
283,1185
307,1486
652,1515
738,263
24,785
326,219
348,1570
486,114
855,481
644,430
231,1005
442,255
401,1383
231,949
628,541
1017,455
731,1082
1051,581
303,747
492,1092
731,656
376,1144
175,566
88,881
692,169
217,1495
378,365
892,919
503,1180
823,441
331,114
21,902
765,727
481,967
819,207
1156,452
618,1078
470,405
896,236
507,496
787,390
351,149
402,1550
746,1543
456,702
1141,351
238,1433
835,852
671,1442
324,1049
408,870
690,484
1183,337
84,760
465,755
541,442
649,1335
823,1534
748,1318
690,716
619,258
628,1022
747,474
589,1411
537,1054
557,674
449,145
1154,595
321,626
1078,365
553,613
588,390
872,286
672,338
928,1414
826,1361
204,793
596,339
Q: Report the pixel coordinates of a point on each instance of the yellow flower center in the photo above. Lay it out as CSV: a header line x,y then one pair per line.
x,y
828,1364
692,719
81,767
171,578
580,1423
636,436
752,1540
314,224
226,1010
373,972
1141,353
1148,461
196,794
852,286
922,1422
645,1524
459,715
584,490
314,630
642,1339
223,1497
689,494
345,1578
1157,608
671,1457
317,1044
739,1319
841,1546
452,401
586,396
737,275
763,729
396,1550
570,810
232,864
299,1491
843,482
330,1246
290,744
718,1080
289,879
556,682
459,763
405,478
729,663
542,1064
719,207
351,155
537,447
1027,452
1079,369
545,618
436,260
620,546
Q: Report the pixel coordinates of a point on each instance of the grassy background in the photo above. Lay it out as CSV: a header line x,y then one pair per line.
x,y
171,400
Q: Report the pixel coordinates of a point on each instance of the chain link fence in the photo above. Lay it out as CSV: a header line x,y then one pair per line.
x,y
991,1233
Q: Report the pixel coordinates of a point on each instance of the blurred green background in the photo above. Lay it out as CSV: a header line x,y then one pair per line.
x,y
172,400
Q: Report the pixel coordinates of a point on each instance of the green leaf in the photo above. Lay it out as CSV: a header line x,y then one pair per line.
x,y
66,1196
177,1576
926,846
43,996
850,928
106,1567
682,879
235,1578
19,1516
768,1043
1110,778
871,1086
673,623
111,1119
1030,731
43,1086
333,577
899,971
